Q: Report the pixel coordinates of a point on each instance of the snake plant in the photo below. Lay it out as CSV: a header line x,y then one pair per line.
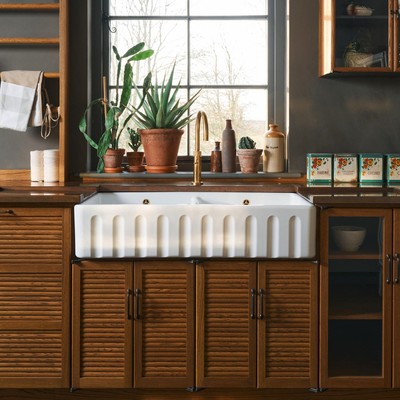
x,y
161,108
115,119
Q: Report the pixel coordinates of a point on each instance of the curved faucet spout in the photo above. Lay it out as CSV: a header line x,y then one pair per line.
x,y
201,116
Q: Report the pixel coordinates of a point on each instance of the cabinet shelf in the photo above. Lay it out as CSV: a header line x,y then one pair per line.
x,y
355,302
361,255
30,7
29,41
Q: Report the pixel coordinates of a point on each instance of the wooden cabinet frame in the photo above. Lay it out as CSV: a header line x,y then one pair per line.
x,y
357,381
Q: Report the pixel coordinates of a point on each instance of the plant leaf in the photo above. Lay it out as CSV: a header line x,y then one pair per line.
x,y
133,50
143,55
115,50
127,87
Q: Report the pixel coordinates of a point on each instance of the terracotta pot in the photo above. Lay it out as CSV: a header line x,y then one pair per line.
x,y
161,148
249,160
113,160
135,161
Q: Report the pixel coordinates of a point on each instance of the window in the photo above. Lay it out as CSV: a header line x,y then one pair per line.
x,y
229,49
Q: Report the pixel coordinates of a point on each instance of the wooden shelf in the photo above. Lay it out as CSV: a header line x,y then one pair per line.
x,y
30,7
354,302
346,255
30,41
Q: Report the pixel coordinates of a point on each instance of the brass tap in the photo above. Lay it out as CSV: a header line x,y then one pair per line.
x,y
201,115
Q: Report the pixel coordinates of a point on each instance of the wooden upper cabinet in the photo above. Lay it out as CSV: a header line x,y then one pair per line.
x,y
287,324
164,324
226,324
358,38
102,325
34,297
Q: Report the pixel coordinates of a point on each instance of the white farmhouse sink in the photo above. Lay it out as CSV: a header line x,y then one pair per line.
x,y
195,224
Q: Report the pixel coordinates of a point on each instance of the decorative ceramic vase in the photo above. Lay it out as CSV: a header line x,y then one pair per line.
x,y
228,148
161,148
135,161
249,160
113,160
274,150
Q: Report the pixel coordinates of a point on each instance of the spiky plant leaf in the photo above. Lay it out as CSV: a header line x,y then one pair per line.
x,y
133,50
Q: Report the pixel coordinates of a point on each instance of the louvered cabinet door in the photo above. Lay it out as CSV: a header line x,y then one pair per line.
x,y
164,324
226,324
34,298
102,324
287,324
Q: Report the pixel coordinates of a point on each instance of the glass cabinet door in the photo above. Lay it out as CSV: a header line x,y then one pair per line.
x,y
355,297
362,34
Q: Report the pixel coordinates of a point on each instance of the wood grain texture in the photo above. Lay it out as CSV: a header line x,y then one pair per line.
x,y
164,324
287,326
226,334
207,394
102,331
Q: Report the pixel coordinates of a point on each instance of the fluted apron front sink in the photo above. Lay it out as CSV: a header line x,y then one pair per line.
x,y
200,224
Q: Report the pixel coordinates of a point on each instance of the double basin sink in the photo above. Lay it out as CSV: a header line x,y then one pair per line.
x,y
195,224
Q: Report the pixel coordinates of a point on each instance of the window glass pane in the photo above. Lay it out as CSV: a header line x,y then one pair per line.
x,y
166,38
229,52
148,7
247,108
228,7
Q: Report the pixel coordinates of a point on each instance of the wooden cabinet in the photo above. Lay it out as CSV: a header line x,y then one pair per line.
x,y
102,324
139,315
257,326
26,44
235,324
359,293
34,297
358,38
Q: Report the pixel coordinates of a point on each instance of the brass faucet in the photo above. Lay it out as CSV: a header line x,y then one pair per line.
x,y
201,115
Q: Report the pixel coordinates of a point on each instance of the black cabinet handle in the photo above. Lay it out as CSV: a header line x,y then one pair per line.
x,y
253,304
396,258
128,304
389,268
261,308
137,292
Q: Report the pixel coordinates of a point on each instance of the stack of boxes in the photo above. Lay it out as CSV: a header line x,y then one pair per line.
x,y
353,168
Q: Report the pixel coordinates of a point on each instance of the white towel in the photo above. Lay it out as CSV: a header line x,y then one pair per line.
x,y
17,97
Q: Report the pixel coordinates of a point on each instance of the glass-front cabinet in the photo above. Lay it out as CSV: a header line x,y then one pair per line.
x,y
359,36
356,297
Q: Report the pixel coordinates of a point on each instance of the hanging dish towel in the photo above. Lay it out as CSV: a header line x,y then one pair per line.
x,y
20,99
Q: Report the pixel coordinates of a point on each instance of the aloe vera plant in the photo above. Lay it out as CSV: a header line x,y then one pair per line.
x,y
246,142
117,112
162,109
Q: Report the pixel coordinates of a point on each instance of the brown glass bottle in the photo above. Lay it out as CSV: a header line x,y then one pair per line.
x,y
216,159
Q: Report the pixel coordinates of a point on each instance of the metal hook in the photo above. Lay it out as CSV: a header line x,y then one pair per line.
x,y
106,20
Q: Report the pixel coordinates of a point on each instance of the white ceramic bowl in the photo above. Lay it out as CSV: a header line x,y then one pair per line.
x,y
348,238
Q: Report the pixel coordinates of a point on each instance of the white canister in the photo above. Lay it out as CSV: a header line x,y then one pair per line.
x,y
50,165
37,166
274,150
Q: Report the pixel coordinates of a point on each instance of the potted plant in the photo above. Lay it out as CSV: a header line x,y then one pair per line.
x,y
117,112
135,157
249,156
161,120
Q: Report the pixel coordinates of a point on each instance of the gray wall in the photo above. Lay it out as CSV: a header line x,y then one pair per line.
x,y
352,114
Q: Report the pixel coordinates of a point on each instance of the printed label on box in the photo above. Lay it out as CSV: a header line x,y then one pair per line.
x,y
319,167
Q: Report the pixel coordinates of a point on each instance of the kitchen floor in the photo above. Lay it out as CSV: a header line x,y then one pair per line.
x,y
207,394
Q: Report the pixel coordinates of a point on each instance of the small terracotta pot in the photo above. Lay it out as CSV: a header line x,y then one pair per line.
x,y
249,160
113,160
135,161
161,148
